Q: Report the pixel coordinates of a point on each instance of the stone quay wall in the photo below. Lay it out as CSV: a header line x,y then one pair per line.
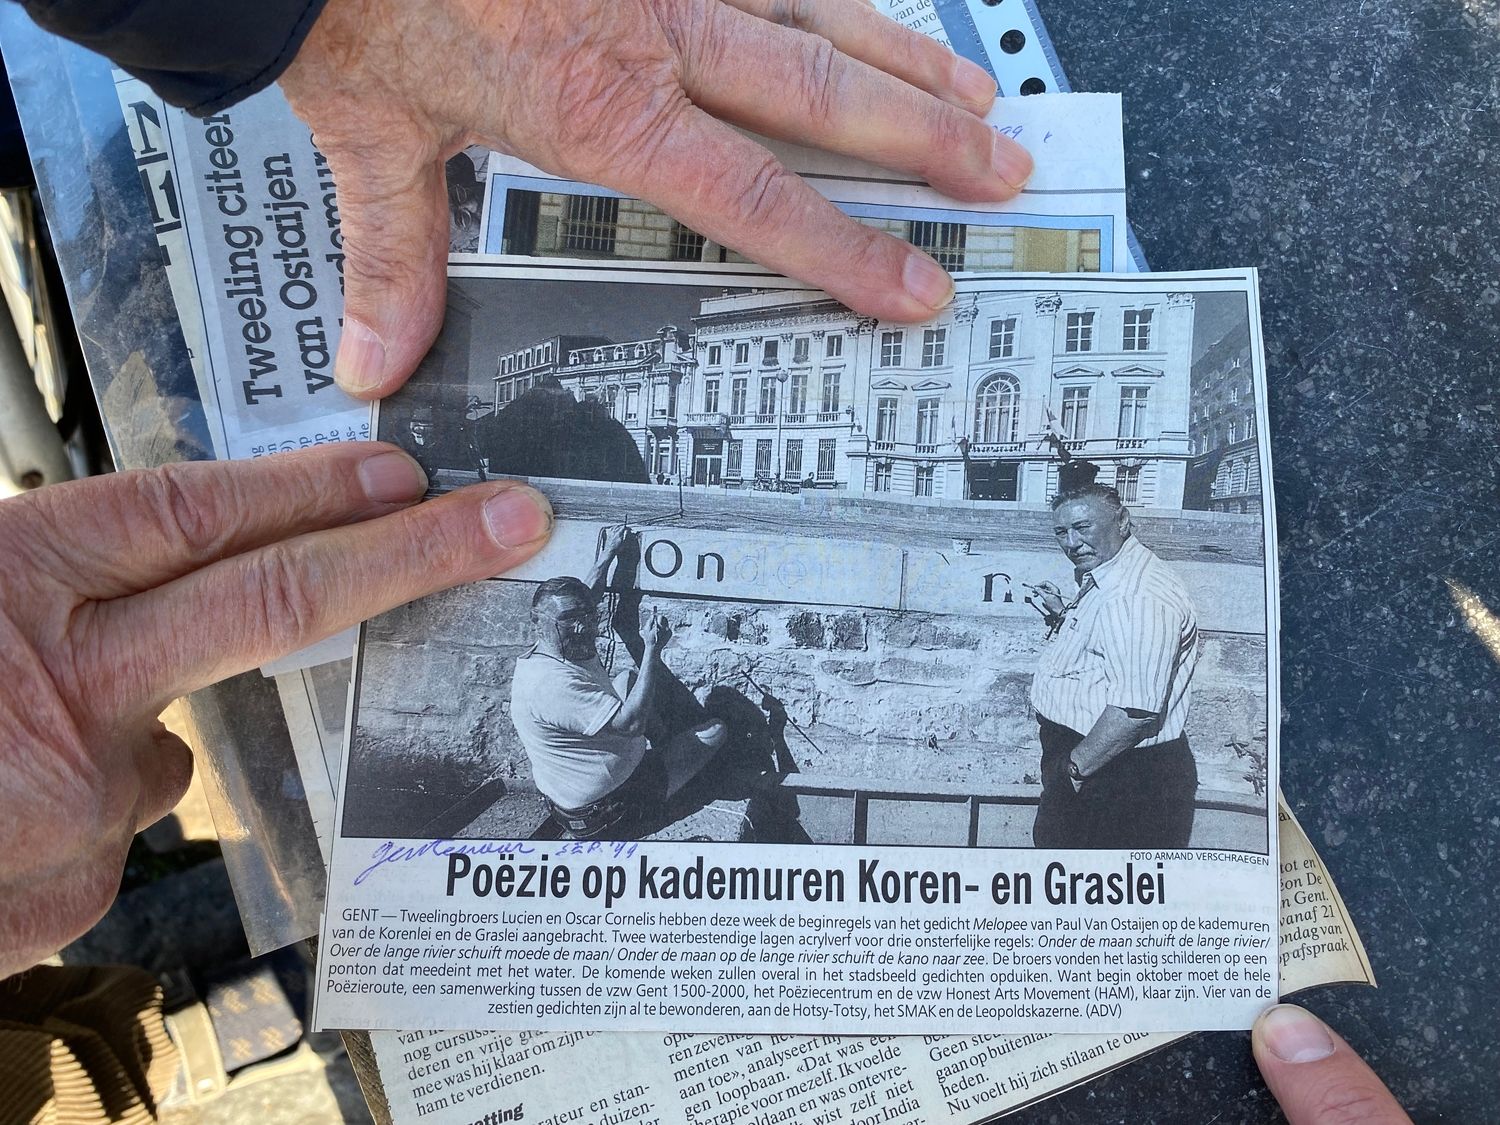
x,y
879,694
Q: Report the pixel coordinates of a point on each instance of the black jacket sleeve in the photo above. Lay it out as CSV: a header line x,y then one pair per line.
x,y
202,55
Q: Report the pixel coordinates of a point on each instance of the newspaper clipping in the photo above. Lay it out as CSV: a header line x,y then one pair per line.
x,y
879,679
456,1078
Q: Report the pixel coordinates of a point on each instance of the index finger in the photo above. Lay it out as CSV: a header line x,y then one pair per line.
x,y
860,32
118,534
245,610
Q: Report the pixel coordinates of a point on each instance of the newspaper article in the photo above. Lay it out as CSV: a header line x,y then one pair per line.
x,y
1070,218
919,15
264,250
456,1078
813,638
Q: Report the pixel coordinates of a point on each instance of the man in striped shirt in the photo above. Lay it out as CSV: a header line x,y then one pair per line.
x,y
1111,692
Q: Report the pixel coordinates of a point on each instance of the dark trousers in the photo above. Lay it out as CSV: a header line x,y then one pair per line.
x,y
1143,799
626,813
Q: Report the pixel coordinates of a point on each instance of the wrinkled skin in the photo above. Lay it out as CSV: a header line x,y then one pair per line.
x,y
124,592
634,95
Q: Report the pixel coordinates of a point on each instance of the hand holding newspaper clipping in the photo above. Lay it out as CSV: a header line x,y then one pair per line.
x,y
505,188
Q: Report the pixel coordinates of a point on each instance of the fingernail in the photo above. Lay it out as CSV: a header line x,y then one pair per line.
x,y
360,364
1011,162
517,516
973,83
926,281
1295,1035
390,478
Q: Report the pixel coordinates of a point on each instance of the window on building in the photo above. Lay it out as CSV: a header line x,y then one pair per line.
x,y
827,453
1003,338
1137,330
830,391
923,485
797,393
710,396
890,348
763,457
882,476
1133,411
944,241
590,224
833,347
1234,432
800,348
927,420
1088,250
716,355
997,410
1128,483
687,245
767,396
793,469
1238,475
1234,396
741,354
734,458
770,351
934,347
632,403
885,419
1080,332
1249,426
739,391
1075,412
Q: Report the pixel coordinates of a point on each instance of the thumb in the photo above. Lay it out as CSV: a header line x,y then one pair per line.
x,y
1316,1077
395,225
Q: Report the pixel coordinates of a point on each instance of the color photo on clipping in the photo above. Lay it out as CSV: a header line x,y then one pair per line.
x,y
994,581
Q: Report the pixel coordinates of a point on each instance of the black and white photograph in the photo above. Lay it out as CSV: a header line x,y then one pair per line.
x,y
996,581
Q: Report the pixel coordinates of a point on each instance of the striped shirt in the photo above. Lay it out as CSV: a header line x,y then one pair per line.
x,y
1130,641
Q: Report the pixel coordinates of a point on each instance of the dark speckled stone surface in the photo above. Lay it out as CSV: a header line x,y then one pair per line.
x,y
1351,151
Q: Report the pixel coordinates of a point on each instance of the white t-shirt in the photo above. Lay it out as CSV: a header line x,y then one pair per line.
x,y
562,712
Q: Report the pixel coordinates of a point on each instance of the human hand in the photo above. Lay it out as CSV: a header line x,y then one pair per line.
x,y
625,93
1050,597
658,632
124,592
614,538
1316,1077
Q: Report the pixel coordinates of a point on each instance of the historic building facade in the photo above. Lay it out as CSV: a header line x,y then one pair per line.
x,y
1225,472
971,407
777,393
1223,408
642,382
